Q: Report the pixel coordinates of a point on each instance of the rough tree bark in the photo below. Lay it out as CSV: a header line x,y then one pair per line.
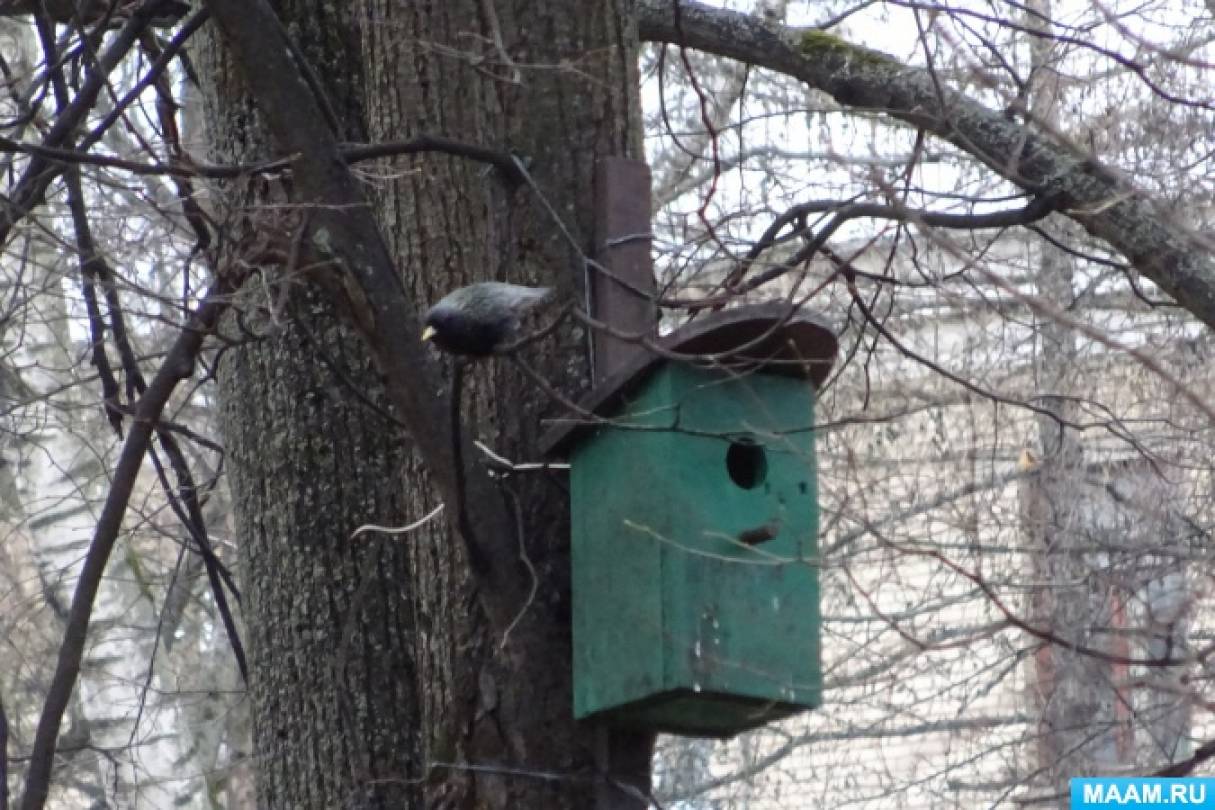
x,y
329,618
332,622
450,224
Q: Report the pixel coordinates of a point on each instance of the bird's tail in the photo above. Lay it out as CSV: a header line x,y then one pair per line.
x,y
529,297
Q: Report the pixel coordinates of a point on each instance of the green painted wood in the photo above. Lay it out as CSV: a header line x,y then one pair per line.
x,y
677,626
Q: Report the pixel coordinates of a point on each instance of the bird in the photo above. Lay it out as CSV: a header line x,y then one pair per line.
x,y
482,318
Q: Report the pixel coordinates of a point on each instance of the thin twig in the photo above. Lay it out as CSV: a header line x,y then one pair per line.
x,y
397,530
527,466
527,563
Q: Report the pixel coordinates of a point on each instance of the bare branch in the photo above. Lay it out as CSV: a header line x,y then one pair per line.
x,y
1107,205
177,366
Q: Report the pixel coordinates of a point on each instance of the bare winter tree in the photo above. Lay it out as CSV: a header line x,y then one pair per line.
x,y
965,344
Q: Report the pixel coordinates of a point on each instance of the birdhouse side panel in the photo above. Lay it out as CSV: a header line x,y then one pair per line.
x,y
616,572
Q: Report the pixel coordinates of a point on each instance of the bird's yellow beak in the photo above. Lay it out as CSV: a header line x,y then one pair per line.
x,y
428,333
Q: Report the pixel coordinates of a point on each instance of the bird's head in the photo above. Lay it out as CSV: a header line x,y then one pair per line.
x,y
454,330
429,330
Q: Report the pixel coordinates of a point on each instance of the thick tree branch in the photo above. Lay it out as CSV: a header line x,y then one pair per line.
x,y
363,278
1108,206
178,365
95,271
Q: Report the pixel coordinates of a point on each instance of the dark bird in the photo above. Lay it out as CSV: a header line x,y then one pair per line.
x,y
481,318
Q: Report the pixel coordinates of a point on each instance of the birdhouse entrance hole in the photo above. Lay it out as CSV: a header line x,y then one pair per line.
x,y
747,463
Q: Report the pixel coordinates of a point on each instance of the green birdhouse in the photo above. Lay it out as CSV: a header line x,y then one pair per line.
x,y
695,518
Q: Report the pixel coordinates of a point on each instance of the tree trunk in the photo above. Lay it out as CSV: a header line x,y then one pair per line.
x,y
357,645
1079,727
330,625
504,708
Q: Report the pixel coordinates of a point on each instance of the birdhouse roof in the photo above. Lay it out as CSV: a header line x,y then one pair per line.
x,y
776,338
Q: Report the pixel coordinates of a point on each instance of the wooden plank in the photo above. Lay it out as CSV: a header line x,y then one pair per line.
x,y
620,292
620,283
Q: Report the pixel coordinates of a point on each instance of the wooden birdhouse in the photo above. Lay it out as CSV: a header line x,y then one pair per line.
x,y
695,568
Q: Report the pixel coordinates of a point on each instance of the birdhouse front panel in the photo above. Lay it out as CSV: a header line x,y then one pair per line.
x,y
695,557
